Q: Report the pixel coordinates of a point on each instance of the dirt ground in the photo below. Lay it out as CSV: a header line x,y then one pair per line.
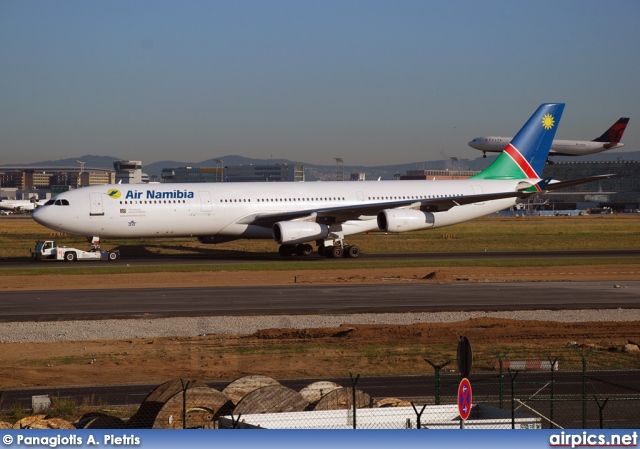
x,y
286,353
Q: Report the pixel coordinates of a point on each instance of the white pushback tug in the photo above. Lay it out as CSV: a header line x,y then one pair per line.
x,y
49,249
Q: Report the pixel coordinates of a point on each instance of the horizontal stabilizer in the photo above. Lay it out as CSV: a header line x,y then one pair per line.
x,y
574,182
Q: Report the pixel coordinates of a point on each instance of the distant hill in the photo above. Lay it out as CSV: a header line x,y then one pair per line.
x,y
326,172
104,162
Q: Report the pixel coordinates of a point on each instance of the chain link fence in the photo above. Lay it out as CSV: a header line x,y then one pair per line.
x,y
574,387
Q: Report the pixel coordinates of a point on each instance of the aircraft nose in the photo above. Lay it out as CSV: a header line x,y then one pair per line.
x,y
40,215
36,215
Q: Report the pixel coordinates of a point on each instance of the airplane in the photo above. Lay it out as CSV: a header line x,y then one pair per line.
x,y
20,205
609,140
297,214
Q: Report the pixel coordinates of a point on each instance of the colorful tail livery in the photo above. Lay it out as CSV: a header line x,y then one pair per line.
x,y
613,135
525,156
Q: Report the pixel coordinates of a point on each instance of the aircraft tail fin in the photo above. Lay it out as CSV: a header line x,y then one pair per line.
x,y
615,132
526,155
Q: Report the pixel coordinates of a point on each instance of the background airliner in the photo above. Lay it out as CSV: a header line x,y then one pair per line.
x,y
609,140
20,205
296,214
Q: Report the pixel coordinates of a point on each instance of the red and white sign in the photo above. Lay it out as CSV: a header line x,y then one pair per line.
x,y
464,398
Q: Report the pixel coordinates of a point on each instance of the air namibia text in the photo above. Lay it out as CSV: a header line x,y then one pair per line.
x,y
157,194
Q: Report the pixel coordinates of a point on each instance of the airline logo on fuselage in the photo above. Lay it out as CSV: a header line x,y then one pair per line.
x,y
158,194
114,193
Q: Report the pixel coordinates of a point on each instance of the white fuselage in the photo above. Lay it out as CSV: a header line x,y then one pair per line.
x,y
20,205
225,210
495,144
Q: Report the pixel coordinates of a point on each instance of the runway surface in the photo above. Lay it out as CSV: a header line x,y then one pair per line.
x,y
223,257
314,299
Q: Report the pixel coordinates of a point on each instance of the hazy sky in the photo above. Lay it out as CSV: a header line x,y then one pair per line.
x,y
373,82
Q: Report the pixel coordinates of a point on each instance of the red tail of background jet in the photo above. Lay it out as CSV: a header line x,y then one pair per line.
x,y
614,134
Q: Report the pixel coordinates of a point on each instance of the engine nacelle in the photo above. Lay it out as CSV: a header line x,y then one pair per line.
x,y
294,232
403,220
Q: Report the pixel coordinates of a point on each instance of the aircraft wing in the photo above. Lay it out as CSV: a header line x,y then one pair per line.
x,y
356,211
341,214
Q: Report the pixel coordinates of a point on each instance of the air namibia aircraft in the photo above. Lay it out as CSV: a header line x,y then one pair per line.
x,y
297,214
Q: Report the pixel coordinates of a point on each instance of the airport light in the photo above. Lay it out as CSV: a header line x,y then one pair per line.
x,y
219,161
79,180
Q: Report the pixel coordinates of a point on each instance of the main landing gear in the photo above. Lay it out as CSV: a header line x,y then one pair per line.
x,y
301,249
335,251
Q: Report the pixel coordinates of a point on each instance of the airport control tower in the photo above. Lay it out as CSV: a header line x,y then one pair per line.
x,y
128,172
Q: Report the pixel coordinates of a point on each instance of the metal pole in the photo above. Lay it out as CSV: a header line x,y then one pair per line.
x,y
584,391
184,404
437,369
584,355
418,414
601,410
513,396
501,374
353,396
553,366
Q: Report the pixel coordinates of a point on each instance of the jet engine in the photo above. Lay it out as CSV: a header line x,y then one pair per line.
x,y
403,220
294,232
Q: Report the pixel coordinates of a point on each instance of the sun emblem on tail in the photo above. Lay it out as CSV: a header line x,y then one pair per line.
x,y
547,121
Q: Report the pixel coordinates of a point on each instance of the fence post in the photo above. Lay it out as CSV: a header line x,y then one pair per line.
x,y
235,422
437,369
418,414
500,374
184,404
584,355
353,396
601,407
513,395
551,406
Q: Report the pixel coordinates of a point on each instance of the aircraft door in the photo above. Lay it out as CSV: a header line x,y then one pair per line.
x,y
205,201
360,196
477,190
96,204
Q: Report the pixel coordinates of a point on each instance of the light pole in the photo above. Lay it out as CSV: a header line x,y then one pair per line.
x,y
455,158
79,180
339,162
219,161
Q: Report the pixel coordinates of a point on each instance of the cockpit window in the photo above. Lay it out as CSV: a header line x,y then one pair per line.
x,y
61,203
48,203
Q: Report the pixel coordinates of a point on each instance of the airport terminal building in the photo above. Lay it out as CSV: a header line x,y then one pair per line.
x,y
235,173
